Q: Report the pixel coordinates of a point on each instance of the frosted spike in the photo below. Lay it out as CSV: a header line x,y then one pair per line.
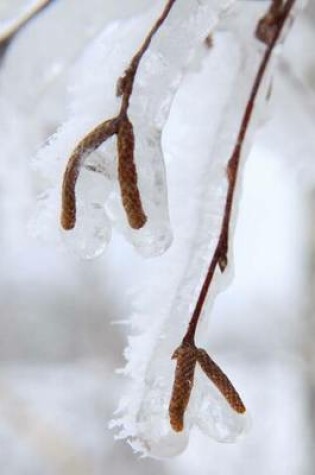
x,y
161,70
174,48
90,238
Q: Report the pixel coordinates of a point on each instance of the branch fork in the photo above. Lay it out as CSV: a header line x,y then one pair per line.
x,y
187,357
122,127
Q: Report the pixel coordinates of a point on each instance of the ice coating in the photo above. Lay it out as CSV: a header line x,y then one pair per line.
x,y
198,153
94,100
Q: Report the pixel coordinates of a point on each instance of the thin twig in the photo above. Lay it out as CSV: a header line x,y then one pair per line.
x,y
122,127
269,30
220,256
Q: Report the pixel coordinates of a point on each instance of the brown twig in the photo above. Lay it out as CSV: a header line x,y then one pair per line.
x,y
122,127
220,256
269,30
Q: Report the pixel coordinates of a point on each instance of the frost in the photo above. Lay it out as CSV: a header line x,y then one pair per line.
x,y
93,100
197,154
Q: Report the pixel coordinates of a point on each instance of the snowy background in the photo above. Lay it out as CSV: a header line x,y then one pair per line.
x,y
62,334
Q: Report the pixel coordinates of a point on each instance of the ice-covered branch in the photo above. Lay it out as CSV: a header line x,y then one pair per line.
x,y
238,68
269,30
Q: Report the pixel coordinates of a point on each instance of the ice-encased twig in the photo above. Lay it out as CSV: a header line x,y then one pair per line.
x,y
161,315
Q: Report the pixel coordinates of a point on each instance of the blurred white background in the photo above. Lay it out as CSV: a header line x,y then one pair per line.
x,y
60,337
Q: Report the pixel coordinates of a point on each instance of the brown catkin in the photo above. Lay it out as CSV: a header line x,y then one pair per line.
x,y
220,380
90,143
127,174
186,357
